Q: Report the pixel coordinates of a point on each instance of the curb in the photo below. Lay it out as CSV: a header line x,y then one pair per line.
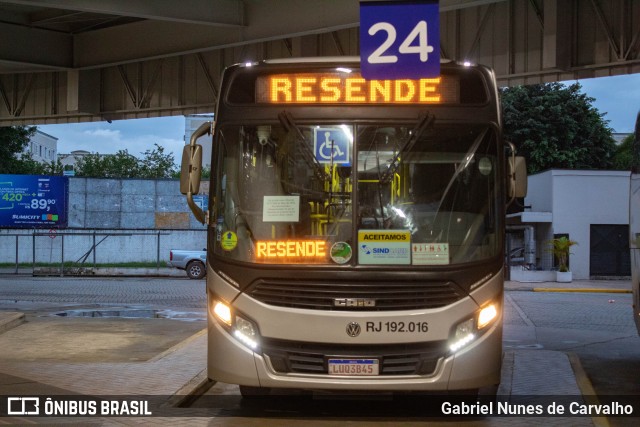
x,y
189,392
594,290
586,388
11,320
178,346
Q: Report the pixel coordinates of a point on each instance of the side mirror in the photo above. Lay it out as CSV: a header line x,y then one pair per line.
x,y
517,177
191,169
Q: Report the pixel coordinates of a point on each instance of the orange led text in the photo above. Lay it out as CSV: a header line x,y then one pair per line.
x,y
314,89
291,249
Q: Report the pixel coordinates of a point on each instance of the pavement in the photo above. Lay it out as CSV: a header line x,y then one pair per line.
x,y
178,372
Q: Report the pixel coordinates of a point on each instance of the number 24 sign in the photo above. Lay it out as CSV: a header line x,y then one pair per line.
x,y
399,40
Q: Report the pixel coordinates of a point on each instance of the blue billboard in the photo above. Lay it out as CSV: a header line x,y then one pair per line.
x,y
33,201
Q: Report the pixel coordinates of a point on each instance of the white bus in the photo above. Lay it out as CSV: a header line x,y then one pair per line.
x,y
356,228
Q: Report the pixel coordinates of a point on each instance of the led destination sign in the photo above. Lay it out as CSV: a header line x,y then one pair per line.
x,y
302,250
343,88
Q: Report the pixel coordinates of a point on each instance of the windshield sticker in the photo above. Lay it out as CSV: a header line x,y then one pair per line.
x,y
430,253
384,247
331,145
228,241
341,252
281,209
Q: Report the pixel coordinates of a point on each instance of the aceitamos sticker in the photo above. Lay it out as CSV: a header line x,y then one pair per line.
x,y
384,247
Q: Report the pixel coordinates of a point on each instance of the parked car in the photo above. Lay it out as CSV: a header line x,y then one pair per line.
x,y
193,262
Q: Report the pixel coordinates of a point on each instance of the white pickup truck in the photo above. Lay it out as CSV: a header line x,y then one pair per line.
x,y
193,262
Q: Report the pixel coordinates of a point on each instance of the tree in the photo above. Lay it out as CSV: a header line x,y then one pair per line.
x,y
555,126
29,166
156,164
623,155
13,140
119,165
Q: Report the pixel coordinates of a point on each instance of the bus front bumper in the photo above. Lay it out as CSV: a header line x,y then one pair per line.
x,y
476,365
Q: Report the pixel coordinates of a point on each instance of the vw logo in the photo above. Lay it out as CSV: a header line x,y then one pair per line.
x,y
353,329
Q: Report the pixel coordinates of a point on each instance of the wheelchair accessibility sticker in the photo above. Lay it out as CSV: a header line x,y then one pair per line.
x,y
331,145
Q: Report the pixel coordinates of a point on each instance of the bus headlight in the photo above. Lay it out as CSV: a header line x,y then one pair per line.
x,y
468,330
486,315
246,332
242,329
222,312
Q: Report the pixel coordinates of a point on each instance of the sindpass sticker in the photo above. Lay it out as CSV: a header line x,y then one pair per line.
x,y
380,247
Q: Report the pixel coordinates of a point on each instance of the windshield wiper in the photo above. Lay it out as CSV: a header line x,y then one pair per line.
x,y
286,119
466,161
426,121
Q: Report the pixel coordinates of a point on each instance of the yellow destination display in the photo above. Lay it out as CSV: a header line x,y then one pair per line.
x,y
291,249
342,88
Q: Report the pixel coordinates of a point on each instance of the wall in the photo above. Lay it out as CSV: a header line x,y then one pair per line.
x,y
43,147
577,199
128,204
135,214
582,198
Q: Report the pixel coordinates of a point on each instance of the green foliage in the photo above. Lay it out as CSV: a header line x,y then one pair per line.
x,y
154,164
13,140
561,248
32,167
119,165
622,159
555,126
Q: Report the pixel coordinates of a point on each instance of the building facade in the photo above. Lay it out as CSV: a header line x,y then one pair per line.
x,y
42,147
590,207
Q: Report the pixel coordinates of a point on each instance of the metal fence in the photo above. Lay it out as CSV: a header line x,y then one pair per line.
x,y
69,250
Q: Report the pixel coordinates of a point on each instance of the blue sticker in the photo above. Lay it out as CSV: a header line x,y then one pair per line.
x,y
332,145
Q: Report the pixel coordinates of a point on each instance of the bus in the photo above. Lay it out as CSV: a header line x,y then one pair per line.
x,y
355,228
634,223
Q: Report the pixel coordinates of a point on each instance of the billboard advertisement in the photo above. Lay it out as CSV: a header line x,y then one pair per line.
x,y
33,201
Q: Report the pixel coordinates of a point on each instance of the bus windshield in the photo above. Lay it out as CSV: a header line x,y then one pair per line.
x,y
420,194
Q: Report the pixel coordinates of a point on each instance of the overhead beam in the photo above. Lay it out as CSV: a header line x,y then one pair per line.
x,y
266,21
557,41
23,45
170,25
607,29
204,12
448,5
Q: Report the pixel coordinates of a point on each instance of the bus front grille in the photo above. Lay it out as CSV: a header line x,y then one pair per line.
x,y
361,296
394,359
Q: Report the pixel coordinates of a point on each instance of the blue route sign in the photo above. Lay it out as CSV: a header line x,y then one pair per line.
x,y
33,201
399,40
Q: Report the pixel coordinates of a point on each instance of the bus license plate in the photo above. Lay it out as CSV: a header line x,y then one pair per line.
x,y
354,367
